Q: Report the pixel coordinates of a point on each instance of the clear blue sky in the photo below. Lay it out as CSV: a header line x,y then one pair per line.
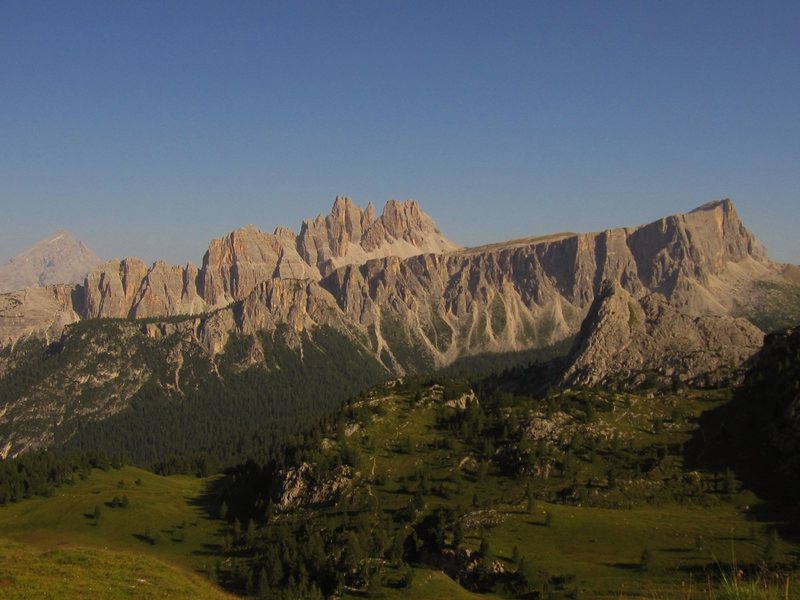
x,y
147,128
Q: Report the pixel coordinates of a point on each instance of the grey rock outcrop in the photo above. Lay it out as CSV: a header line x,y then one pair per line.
x,y
301,487
537,291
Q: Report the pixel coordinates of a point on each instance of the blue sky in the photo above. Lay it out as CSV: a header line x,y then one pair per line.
x,y
148,128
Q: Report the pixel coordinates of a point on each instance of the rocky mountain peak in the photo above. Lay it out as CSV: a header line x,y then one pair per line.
x,y
406,221
352,235
725,204
59,258
284,232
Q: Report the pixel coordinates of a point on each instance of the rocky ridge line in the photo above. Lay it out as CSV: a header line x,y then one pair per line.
x,y
236,263
431,308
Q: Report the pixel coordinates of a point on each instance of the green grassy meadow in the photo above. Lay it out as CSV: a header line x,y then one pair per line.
x,y
160,545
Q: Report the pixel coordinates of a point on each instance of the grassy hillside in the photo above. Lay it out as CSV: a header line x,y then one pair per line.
x,y
582,494
30,571
159,545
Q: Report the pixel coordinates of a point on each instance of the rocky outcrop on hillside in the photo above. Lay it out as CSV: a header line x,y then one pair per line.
x,y
628,340
302,487
57,259
236,263
110,289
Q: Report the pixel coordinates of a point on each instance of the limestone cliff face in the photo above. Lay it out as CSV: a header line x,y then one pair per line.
x,y
676,253
627,340
112,288
236,263
447,306
301,304
168,290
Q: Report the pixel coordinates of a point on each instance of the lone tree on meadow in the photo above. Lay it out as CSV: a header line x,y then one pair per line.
x,y
772,549
646,560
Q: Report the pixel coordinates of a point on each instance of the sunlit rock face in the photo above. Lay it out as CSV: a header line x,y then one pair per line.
x,y
406,289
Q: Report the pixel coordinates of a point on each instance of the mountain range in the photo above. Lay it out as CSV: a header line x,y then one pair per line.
x,y
684,299
397,276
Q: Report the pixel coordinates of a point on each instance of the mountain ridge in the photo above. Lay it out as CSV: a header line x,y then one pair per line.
x,y
507,296
235,263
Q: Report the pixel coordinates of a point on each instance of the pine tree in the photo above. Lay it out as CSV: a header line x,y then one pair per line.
x,y
273,568
263,584
458,534
646,560
729,482
249,585
485,548
772,550
237,532
374,587
249,533
353,552
396,551
525,576
419,501
408,578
